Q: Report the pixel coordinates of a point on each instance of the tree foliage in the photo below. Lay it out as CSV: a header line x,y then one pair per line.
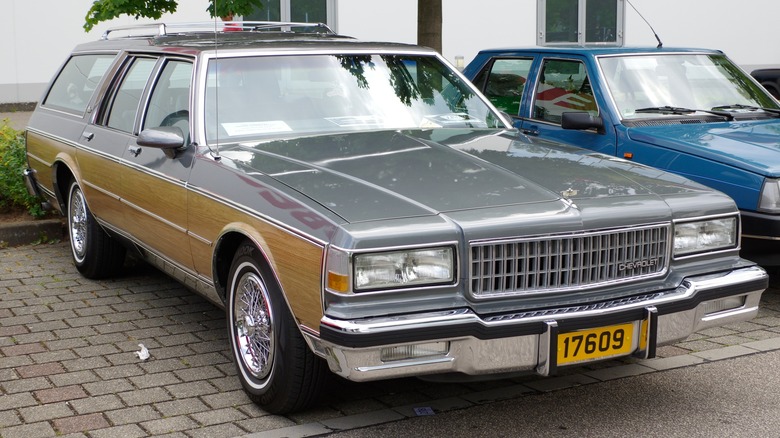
x,y
104,10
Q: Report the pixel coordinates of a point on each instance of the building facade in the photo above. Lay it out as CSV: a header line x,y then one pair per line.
x,y
36,35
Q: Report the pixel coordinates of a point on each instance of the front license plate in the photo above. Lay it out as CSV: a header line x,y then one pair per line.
x,y
597,343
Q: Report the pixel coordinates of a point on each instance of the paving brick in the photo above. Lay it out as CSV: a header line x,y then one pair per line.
x,y
26,385
191,389
113,386
93,310
132,415
115,372
78,332
145,396
226,398
8,331
88,363
126,431
166,425
181,407
66,344
96,350
8,419
217,416
18,350
38,326
155,380
60,394
74,378
101,403
218,431
80,423
15,361
15,401
46,412
199,373
121,327
44,369
33,430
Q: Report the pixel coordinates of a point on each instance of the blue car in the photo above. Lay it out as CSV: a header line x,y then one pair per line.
x,y
688,111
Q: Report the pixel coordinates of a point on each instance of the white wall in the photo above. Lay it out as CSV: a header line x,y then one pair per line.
x,y
36,35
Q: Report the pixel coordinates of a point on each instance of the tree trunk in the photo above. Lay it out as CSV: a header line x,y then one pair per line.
x,y
429,23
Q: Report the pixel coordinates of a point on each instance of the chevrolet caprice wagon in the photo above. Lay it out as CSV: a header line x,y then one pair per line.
x,y
359,208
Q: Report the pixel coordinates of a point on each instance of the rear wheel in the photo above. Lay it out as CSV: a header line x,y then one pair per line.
x,y
95,254
276,367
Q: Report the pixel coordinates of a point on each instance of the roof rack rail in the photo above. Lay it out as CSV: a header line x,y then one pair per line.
x,y
161,29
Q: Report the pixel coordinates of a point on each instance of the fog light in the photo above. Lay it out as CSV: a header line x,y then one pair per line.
x,y
724,304
404,352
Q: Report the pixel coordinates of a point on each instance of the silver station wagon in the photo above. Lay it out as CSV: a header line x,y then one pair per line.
x,y
361,209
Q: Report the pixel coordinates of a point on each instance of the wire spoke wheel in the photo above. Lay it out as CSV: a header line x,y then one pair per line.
x,y
77,224
253,322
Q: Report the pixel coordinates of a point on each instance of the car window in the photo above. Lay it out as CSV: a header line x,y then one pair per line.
x,y
564,86
169,103
504,82
124,105
272,96
74,86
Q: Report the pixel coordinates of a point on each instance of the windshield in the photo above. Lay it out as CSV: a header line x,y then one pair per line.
x,y
679,81
279,96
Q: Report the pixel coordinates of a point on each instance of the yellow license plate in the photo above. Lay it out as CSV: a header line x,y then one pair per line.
x,y
597,343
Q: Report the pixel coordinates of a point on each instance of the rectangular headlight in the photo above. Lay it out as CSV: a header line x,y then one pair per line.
x,y
404,268
704,236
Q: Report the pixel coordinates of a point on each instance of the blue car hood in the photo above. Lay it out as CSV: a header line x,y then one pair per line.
x,y
749,145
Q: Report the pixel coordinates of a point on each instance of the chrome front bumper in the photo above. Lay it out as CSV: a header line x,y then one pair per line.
x,y
697,304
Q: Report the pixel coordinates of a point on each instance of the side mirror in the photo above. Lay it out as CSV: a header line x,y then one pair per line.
x,y
582,121
168,138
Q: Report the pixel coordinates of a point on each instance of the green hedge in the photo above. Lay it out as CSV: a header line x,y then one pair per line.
x,y
13,161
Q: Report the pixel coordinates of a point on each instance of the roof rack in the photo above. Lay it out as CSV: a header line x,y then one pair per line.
x,y
161,29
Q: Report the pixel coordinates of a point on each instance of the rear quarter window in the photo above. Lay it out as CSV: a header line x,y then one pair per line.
x,y
76,82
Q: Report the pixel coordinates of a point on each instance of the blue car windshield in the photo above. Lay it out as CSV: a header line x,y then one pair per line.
x,y
265,97
679,82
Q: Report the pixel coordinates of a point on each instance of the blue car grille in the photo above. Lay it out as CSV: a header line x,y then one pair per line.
x,y
574,261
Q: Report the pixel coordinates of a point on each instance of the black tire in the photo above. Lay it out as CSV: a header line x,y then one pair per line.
x,y
94,253
275,365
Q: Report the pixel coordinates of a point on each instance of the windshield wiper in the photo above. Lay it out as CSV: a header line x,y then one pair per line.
x,y
678,110
739,106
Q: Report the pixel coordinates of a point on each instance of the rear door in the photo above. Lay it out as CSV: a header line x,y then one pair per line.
x,y
103,142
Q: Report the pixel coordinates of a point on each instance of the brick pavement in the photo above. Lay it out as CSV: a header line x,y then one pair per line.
x,y
68,366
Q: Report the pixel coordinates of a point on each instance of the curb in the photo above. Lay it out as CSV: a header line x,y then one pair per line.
x,y
30,232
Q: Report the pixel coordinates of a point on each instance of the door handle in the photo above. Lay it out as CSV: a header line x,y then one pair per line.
x,y
531,131
88,135
135,150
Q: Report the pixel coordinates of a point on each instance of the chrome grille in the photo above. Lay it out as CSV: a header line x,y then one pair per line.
x,y
574,261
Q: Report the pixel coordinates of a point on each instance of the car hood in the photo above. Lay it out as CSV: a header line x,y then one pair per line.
x,y
748,145
391,174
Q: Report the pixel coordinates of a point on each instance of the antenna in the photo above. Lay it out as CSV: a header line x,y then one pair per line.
x,y
660,44
215,153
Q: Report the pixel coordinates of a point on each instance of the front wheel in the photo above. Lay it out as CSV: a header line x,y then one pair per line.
x,y
95,253
276,367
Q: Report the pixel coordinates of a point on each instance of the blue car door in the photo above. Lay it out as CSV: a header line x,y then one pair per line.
x,y
565,84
